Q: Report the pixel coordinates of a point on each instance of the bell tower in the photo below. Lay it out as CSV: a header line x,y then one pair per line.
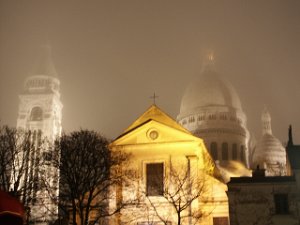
x,y
40,112
40,108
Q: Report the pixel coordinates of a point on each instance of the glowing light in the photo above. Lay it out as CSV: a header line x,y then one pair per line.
x,y
211,57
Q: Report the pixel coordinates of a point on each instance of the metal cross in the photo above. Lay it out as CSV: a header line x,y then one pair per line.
x,y
154,97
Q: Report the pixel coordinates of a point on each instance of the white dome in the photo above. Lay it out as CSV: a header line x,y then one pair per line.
x,y
269,150
211,109
209,90
269,153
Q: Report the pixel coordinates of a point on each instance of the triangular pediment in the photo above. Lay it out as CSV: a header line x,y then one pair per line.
x,y
152,131
157,132
155,113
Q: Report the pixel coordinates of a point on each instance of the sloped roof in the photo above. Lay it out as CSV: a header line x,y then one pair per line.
x,y
155,113
253,180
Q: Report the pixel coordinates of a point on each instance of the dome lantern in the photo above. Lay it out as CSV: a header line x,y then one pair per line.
x,y
266,121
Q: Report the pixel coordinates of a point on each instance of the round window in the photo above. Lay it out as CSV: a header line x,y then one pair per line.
x,y
153,134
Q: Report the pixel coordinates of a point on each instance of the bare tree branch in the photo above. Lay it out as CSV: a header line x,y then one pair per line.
x,y
86,173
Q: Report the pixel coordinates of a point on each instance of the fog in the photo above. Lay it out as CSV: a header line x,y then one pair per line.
x,y
111,56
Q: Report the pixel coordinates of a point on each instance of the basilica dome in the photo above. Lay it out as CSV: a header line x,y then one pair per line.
x,y
211,109
209,89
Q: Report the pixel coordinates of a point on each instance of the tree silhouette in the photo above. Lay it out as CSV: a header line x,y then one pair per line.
x,y
86,173
20,164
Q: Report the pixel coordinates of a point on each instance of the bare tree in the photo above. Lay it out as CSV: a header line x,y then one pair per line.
x,y
20,161
185,191
86,172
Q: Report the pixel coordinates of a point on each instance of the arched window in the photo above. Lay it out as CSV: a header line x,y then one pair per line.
x,y
225,151
201,117
212,117
242,154
214,150
234,151
36,114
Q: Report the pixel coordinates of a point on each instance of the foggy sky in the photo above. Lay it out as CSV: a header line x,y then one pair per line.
x,y
112,55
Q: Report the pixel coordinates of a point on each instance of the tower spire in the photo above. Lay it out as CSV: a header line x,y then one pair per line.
x,y
290,141
44,64
266,121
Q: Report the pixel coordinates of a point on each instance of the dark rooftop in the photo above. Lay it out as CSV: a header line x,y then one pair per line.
x,y
276,179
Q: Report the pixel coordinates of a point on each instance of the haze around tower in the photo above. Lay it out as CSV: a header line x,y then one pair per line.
x,y
111,56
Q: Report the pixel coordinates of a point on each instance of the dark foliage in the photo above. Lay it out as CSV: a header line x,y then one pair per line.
x,y
86,174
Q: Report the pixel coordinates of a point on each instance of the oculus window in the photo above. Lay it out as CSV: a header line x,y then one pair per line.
x,y
154,179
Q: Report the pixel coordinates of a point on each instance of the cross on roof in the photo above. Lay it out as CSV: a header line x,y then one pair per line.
x,y
154,97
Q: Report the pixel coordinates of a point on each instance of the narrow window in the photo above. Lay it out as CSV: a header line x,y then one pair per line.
x,y
281,203
242,154
225,151
155,179
234,152
214,150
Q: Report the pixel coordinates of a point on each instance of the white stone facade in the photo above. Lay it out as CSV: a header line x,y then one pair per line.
x,y
269,153
40,111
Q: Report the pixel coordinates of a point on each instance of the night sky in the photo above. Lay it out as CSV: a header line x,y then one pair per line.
x,y
111,56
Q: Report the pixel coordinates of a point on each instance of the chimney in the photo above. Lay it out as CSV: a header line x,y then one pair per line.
x,y
258,173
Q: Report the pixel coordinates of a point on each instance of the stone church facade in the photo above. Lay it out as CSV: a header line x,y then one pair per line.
x,y
209,141
174,178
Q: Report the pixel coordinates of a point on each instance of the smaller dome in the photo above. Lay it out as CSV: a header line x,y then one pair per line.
x,y
269,150
269,153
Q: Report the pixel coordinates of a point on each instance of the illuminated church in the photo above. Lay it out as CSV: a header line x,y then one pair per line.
x,y
215,137
40,111
175,177
211,109
207,145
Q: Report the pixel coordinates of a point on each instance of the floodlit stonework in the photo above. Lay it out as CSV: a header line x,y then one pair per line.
x,y
162,151
211,109
208,146
40,111
269,153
